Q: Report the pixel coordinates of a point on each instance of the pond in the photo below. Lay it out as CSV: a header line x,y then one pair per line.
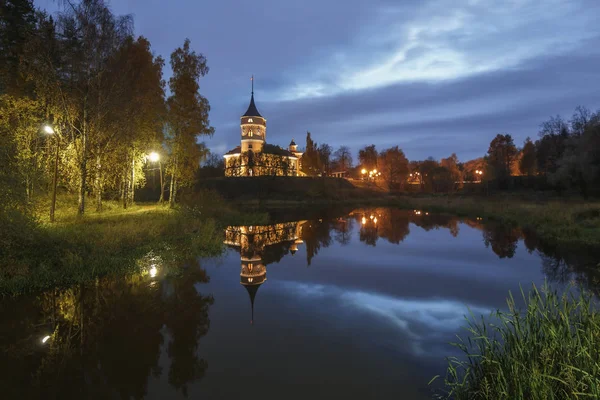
x,y
343,304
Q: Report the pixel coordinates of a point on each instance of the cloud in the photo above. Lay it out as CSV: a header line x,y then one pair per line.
x,y
433,76
450,39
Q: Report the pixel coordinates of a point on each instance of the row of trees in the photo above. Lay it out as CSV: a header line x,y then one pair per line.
x,y
566,155
84,77
322,160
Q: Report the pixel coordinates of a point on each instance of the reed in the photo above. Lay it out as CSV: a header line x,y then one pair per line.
x,y
548,350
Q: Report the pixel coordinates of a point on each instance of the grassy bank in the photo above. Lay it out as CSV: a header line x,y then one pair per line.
x,y
266,189
114,241
569,222
551,350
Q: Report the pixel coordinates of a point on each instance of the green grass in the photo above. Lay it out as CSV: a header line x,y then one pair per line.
x,y
77,249
550,350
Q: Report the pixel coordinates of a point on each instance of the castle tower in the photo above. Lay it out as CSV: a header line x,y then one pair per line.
x,y
293,146
253,127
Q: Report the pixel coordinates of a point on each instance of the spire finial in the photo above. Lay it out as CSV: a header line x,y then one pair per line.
x,y
252,79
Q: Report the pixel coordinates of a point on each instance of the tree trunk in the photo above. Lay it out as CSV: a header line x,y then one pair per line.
x,y
132,179
172,191
98,181
121,190
83,166
125,187
54,183
27,189
162,185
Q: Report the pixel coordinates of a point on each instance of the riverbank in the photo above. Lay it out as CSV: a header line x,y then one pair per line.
x,y
115,241
564,222
556,221
75,249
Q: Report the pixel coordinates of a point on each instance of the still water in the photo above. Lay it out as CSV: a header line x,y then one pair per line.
x,y
342,305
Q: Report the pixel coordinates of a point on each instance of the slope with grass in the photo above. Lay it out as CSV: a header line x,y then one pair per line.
x,y
114,241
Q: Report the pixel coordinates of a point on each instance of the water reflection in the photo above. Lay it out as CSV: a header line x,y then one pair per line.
x,y
260,245
381,287
104,340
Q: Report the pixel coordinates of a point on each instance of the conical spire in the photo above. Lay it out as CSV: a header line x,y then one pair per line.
x,y
252,110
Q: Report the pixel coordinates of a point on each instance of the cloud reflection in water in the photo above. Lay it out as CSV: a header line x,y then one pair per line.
x,y
419,323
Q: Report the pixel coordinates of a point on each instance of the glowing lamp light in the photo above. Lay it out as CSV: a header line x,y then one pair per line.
x,y
363,171
364,220
48,129
154,157
371,217
45,339
153,271
375,220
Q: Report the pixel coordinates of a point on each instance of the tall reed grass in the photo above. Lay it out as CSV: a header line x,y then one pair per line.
x,y
549,350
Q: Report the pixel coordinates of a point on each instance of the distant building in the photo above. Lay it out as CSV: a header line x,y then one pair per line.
x,y
254,156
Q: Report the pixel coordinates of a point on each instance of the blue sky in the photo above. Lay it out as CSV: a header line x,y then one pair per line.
x,y
431,76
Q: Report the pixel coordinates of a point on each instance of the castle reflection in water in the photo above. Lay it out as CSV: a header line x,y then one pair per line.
x,y
260,246
253,242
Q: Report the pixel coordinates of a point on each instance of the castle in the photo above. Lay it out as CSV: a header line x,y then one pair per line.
x,y
254,156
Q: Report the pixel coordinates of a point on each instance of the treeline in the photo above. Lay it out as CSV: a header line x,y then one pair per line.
x,y
83,105
566,156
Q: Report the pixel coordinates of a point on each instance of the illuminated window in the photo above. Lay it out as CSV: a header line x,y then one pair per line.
x,y
250,120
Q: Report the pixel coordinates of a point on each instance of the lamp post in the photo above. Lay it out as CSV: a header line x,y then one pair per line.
x,y
155,157
480,173
50,131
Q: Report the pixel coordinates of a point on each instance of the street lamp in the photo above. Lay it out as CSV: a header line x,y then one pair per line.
x,y
50,131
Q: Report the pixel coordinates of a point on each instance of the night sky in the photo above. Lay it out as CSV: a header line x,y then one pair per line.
x,y
432,76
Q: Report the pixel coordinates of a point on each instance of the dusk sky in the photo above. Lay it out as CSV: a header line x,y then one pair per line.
x,y
431,76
